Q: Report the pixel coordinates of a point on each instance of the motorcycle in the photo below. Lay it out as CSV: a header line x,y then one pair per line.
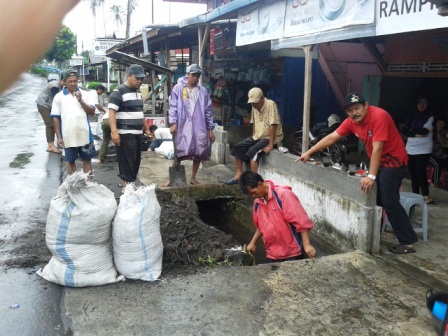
x,y
336,152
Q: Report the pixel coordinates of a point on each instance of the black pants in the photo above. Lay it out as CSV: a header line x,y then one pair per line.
x,y
388,183
129,155
249,149
417,168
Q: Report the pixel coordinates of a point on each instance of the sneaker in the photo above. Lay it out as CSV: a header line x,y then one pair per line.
x,y
428,200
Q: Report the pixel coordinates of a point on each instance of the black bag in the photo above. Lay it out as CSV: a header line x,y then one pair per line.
x,y
440,326
145,143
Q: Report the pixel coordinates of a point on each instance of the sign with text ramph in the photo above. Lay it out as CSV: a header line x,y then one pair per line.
x,y
261,23
100,46
307,17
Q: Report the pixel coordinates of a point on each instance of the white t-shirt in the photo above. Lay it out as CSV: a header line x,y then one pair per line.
x,y
417,146
75,125
162,133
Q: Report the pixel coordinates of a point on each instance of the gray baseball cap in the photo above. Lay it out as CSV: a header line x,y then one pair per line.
x,y
136,70
194,68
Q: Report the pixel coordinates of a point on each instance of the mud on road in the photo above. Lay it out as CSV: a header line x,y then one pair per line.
x,y
188,241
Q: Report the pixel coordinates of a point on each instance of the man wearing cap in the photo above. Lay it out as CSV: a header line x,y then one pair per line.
x,y
388,160
126,120
267,133
191,120
44,102
71,123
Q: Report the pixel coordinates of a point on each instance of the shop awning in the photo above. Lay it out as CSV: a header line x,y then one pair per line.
x,y
128,60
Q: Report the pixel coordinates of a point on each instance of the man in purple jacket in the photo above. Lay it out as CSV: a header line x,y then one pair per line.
x,y
191,120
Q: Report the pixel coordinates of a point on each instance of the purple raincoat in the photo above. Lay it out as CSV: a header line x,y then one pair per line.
x,y
192,138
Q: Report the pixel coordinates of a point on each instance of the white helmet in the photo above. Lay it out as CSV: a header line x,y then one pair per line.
x,y
333,119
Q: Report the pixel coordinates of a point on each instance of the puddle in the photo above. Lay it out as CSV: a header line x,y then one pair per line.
x,y
21,160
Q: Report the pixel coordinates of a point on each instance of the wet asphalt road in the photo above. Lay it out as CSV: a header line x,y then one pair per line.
x,y
29,178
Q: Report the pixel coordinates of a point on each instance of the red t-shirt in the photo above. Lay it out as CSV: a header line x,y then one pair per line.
x,y
378,126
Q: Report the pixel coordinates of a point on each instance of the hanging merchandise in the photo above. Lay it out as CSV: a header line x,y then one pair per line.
x,y
221,91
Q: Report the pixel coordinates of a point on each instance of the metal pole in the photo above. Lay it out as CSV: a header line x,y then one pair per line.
x,y
152,11
307,98
83,76
199,51
108,74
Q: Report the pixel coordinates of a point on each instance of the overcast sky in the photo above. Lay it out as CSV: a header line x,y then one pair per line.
x,y
80,19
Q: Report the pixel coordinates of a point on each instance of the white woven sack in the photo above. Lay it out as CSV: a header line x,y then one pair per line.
x,y
137,242
166,149
78,233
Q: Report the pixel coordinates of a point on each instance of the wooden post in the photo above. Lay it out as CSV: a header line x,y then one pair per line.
x,y
307,97
153,94
199,50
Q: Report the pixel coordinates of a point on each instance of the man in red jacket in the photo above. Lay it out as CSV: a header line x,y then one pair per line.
x,y
388,161
279,218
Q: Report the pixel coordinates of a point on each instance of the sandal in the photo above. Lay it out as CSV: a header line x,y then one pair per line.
x,y
401,249
428,200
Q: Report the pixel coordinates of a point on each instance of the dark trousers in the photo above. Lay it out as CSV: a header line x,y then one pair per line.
x,y
249,149
417,168
129,155
106,138
388,184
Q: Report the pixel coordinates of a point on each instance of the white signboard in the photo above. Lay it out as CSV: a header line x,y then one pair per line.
x,y
100,46
261,23
75,61
304,17
399,16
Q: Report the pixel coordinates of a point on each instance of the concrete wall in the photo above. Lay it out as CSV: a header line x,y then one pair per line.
x,y
342,214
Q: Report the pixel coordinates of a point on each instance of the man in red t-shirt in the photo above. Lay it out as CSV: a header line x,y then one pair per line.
x,y
388,160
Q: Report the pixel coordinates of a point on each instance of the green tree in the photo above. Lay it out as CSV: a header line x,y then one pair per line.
x,y
63,48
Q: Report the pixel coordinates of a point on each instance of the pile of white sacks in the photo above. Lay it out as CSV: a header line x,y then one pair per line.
x,y
82,220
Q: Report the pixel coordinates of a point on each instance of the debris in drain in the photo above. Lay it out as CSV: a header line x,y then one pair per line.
x,y
239,256
190,245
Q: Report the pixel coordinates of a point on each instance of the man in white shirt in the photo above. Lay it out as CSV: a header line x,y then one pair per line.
x,y
71,123
159,135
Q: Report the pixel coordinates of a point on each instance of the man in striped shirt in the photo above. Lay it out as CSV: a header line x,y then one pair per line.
x,y
127,121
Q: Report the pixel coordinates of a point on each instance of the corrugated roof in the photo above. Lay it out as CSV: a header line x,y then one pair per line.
x,y
227,11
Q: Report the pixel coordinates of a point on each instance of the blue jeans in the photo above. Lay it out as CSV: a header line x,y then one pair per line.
x,y
388,184
157,142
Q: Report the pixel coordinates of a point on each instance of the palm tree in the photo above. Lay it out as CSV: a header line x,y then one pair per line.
x,y
93,5
101,3
117,13
131,6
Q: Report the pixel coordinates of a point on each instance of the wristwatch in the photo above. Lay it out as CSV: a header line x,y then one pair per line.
x,y
372,177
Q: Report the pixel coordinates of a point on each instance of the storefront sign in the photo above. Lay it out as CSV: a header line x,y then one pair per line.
x,y
304,17
261,23
399,16
100,46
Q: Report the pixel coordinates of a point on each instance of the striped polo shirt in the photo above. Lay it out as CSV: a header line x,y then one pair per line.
x,y
129,106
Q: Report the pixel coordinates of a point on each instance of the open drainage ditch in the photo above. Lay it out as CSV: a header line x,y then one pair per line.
x,y
234,217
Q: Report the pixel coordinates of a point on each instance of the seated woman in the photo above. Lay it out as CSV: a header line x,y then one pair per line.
x,y
439,156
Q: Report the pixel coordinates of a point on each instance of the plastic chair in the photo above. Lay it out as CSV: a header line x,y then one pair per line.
x,y
442,180
409,200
